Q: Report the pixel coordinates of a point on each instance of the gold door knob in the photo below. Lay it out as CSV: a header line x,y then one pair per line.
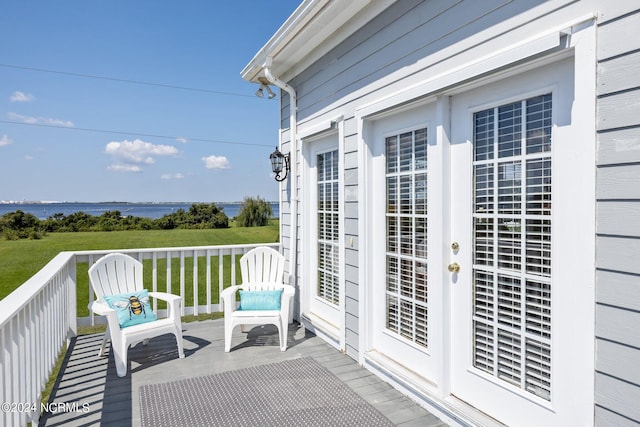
x,y
454,267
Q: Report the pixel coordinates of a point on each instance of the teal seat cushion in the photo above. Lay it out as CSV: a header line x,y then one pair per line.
x,y
260,300
133,308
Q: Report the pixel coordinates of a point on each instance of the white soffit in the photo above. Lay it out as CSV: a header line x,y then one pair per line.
x,y
313,29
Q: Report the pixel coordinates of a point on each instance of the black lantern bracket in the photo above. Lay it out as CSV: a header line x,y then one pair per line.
x,y
279,162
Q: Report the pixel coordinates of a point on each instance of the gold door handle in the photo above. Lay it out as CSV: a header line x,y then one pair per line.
x,y
454,267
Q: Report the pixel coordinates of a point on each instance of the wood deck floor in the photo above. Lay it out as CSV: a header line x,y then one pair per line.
x,y
102,398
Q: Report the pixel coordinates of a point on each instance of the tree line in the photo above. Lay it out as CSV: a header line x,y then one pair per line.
x,y
23,225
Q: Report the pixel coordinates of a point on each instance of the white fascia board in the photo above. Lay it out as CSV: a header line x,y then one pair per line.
x,y
315,27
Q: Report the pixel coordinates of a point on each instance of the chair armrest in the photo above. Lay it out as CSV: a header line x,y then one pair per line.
x,y
165,296
102,309
173,303
228,298
288,291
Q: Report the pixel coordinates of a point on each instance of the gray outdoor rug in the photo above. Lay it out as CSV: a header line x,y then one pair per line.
x,y
298,392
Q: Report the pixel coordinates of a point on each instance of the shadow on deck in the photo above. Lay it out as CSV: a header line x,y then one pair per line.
x,y
89,392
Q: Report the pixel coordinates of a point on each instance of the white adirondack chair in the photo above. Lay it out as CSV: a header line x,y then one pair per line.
x,y
262,268
117,274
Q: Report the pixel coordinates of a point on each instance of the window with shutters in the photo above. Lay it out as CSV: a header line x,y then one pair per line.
x,y
328,223
406,226
512,243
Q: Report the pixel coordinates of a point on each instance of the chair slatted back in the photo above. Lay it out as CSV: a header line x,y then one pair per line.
x,y
262,267
116,274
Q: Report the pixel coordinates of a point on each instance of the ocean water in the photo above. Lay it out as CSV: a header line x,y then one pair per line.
x,y
43,210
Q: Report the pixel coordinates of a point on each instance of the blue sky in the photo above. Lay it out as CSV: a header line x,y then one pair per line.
x,y
147,142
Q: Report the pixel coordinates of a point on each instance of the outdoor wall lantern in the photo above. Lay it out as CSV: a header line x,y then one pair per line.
x,y
279,162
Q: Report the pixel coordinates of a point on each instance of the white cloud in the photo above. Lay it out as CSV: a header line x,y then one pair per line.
x,y
172,176
28,157
21,97
216,162
40,120
128,155
121,167
182,139
5,140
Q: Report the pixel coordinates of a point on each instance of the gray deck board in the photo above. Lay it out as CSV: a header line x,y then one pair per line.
x,y
91,380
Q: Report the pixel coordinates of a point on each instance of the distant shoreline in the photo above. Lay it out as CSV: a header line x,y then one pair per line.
x,y
50,202
43,210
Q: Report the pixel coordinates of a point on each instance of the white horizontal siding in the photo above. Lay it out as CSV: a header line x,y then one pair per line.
x,y
618,361
351,288
617,386
619,146
613,10
619,397
351,258
618,111
620,73
351,323
351,274
620,326
351,306
620,182
621,290
402,36
351,177
606,418
618,254
351,193
351,160
351,210
619,37
352,345
621,218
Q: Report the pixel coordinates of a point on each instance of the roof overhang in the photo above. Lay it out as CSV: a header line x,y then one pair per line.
x,y
313,29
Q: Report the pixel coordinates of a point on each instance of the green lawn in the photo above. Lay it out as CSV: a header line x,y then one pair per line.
x,y
21,259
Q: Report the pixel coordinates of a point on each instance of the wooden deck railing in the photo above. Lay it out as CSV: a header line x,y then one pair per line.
x,y
42,314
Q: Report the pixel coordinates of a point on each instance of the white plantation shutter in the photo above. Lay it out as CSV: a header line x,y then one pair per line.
x,y
512,243
328,227
406,223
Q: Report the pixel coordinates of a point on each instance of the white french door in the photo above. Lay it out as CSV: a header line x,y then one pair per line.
x,y
479,229
515,220
401,319
324,219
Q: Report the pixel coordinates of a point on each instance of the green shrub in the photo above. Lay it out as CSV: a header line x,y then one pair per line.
x,y
19,225
36,234
254,212
10,234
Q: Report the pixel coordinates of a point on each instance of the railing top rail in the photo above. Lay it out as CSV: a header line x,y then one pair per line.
x,y
174,248
21,296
